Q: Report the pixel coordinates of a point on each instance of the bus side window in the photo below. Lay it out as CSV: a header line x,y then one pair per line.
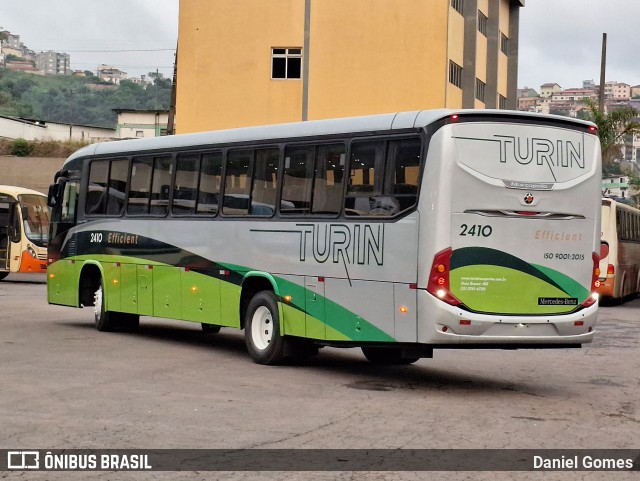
x,y
96,200
162,171
297,179
328,179
117,186
403,171
210,181
185,186
265,178
237,182
140,188
365,181
383,177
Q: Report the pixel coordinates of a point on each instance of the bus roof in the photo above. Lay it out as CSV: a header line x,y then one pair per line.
x,y
311,128
15,191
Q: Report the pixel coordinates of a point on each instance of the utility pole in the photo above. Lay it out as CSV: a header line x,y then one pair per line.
x,y
603,67
171,126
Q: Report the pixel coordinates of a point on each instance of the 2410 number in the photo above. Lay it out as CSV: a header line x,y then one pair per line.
x,y
477,230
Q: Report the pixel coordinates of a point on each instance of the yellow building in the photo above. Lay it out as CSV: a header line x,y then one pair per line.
x,y
254,62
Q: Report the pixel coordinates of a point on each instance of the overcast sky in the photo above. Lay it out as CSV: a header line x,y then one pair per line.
x,y
560,40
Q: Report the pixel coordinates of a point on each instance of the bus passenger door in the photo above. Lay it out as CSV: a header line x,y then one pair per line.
x,y
14,251
315,326
5,208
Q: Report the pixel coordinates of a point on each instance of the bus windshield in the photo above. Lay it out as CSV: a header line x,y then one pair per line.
x,y
35,218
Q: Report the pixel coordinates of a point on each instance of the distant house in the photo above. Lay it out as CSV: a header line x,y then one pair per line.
x,y
107,73
527,92
615,186
23,67
141,123
548,89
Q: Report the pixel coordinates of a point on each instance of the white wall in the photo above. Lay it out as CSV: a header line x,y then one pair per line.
x,y
19,129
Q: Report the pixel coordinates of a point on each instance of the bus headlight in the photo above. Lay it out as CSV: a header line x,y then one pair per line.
x,y
32,252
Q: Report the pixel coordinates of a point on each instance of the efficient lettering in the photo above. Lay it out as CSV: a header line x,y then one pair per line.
x,y
557,236
118,238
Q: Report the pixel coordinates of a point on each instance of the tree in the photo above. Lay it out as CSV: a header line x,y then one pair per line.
x,y
634,185
612,129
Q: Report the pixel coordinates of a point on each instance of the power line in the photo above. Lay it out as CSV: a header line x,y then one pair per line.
x,y
122,50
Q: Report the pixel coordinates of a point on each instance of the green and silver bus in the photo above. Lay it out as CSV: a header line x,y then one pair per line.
x,y
397,233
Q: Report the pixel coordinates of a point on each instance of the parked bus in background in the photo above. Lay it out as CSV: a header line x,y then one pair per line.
x,y
396,233
24,229
620,262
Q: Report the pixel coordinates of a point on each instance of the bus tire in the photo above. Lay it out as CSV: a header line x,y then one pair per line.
x,y
210,328
107,321
3,275
262,329
386,355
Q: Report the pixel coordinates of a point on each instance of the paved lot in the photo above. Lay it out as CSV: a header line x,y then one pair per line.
x,y
65,385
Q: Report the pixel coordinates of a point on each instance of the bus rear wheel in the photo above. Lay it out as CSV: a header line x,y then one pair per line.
x,y
3,275
262,329
107,321
386,355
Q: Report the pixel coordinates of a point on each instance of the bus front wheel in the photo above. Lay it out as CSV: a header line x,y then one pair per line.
x,y
262,329
386,355
3,275
111,321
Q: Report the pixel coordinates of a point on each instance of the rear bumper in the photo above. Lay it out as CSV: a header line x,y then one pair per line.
x,y
440,323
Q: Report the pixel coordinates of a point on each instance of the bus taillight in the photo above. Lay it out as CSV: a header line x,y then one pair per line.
x,y
611,270
595,282
438,285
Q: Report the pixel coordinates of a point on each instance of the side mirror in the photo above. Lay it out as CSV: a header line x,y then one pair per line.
x,y
54,195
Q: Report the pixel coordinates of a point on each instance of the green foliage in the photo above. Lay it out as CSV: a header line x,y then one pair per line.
x,y
77,100
634,187
20,148
612,129
40,148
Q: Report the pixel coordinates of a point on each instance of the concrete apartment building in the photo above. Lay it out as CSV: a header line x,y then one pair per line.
x,y
53,63
255,62
617,90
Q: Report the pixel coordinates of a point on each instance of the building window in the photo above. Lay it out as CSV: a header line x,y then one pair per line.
x,y
457,5
482,23
286,63
504,44
455,74
502,102
480,85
